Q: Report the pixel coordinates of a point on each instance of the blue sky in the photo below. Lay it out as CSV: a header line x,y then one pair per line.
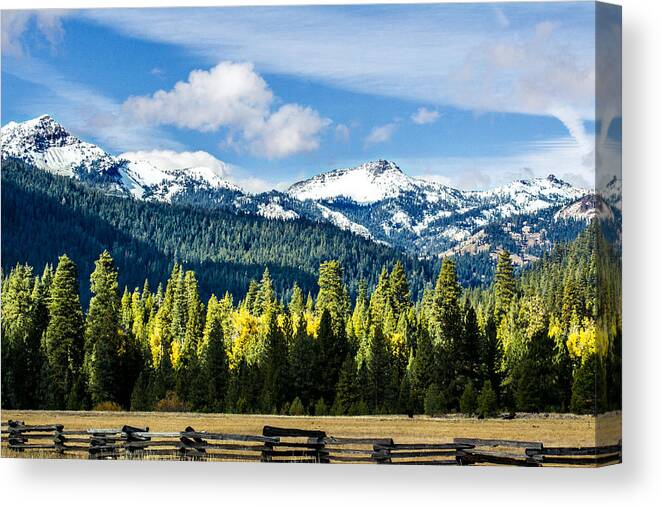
x,y
472,95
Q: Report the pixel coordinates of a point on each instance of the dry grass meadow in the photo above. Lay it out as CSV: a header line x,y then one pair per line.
x,y
551,429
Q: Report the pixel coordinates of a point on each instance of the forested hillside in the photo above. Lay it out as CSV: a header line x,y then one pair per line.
x,y
546,340
44,216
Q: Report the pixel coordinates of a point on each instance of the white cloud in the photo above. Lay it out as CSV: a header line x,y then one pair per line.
x,y
381,134
234,97
424,115
16,23
291,129
227,94
170,159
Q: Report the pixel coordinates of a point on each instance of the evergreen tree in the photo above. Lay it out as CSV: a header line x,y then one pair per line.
x,y
251,296
331,351
302,357
379,370
297,407
348,389
487,403
126,312
446,311
586,397
63,341
380,300
297,307
188,366
274,365
216,372
468,402
405,404
424,367
331,293
102,335
447,328
360,323
21,356
466,352
400,294
504,284
320,408
142,397
265,296
435,403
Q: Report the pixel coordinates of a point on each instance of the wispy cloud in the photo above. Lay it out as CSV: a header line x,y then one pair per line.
x,y
440,54
423,116
380,134
15,24
562,157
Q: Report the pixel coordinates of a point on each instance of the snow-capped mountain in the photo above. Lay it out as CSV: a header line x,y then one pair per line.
x,y
146,181
376,200
368,183
47,145
44,143
429,218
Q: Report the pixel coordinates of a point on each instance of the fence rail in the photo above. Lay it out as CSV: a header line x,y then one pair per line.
x,y
292,445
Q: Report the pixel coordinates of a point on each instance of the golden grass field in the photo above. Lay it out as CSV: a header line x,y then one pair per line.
x,y
552,429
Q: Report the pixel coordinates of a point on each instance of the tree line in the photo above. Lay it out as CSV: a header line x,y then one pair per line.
x,y
546,340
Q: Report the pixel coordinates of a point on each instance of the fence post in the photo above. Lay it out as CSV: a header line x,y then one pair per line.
x,y
382,450
98,443
16,435
129,450
59,439
191,447
322,455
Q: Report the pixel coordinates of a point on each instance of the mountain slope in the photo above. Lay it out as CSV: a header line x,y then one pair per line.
x,y
375,200
430,218
44,216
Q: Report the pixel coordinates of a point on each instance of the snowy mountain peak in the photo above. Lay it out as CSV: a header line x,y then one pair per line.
x,y
379,167
46,144
551,178
39,133
43,143
364,184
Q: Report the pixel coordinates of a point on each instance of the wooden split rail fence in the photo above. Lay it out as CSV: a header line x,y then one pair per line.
x,y
292,445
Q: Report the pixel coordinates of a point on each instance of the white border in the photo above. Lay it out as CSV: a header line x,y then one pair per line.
x,y
636,482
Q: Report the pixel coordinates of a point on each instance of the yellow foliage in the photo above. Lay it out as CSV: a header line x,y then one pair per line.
x,y
155,345
312,324
397,343
247,331
582,340
556,332
175,354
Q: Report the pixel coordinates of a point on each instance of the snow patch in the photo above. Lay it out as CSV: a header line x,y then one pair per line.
x,y
275,211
